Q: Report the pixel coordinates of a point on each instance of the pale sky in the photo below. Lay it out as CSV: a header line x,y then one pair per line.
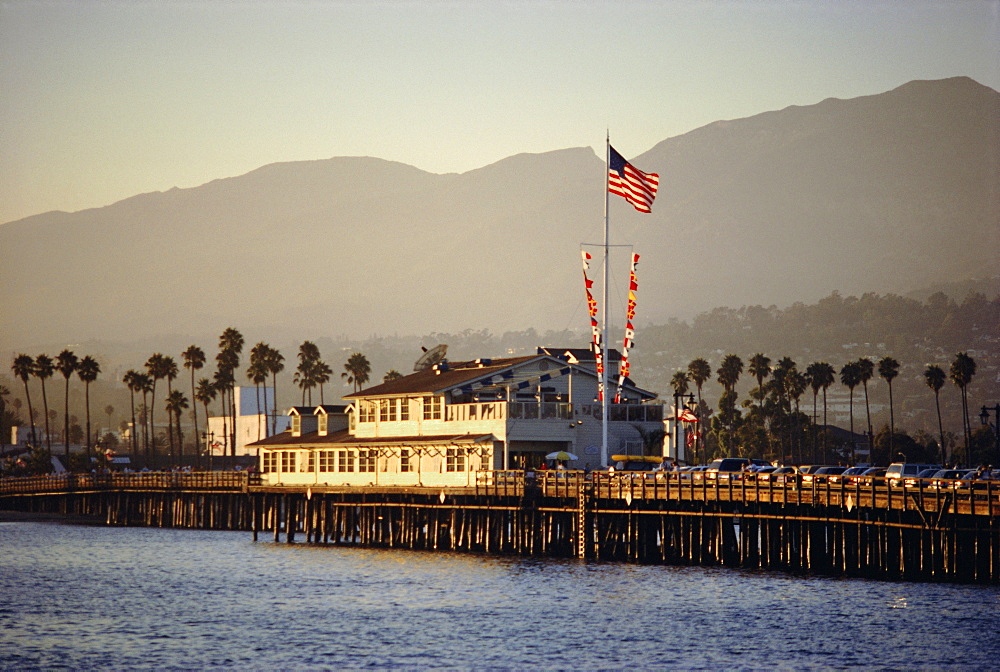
x,y
100,101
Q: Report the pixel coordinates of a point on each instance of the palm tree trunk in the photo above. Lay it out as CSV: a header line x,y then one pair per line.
x,y
86,388
892,424
170,423
135,439
194,410
937,402
66,421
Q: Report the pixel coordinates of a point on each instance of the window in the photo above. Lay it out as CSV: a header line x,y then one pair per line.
x,y
404,460
296,424
345,460
327,460
287,461
383,410
309,465
270,462
322,422
366,460
432,408
455,459
393,409
366,411
404,409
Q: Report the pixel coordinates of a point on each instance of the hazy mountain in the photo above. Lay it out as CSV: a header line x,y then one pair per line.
x,y
886,193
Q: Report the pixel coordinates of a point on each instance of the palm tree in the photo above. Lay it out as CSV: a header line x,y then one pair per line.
x,y
176,402
257,373
356,370
391,375
194,359
866,369
44,368
274,361
962,371
795,386
222,379
66,362
144,383
888,368
821,376
323,373
88,370
850,376
109,411
204,394
3,410
155,366
934,377
699,372
170,372
305,373
24,368
728,373
130,379
759,367
230,347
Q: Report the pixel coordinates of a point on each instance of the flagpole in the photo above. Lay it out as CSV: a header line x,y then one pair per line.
x,y
604,345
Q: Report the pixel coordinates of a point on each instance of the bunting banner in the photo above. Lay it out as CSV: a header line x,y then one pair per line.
x,y
627,341
595,327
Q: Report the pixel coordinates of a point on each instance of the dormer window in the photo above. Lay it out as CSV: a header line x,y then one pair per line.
x,y
296,425
323,422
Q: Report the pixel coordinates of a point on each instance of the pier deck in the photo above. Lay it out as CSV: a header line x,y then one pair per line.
x,y
869,529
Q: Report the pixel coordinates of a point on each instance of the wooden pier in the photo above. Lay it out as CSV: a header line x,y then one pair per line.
x,y
872,530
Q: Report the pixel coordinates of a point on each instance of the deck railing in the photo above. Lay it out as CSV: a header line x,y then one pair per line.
x,y
153,480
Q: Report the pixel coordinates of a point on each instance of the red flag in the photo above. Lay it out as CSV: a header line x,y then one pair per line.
x,y
687,416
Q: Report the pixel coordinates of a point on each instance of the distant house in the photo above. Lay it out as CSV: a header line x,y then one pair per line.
x,y
441,425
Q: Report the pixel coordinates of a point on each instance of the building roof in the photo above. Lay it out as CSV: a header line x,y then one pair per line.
x,y
344,438
438,379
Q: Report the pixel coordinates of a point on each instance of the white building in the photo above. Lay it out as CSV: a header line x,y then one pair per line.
x,y
254,417
441,425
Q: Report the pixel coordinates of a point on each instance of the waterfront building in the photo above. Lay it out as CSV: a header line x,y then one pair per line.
x,y
441,425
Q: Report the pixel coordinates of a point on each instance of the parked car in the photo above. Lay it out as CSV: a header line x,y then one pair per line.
x,y
897,471
847,474
821,474
781,475
949,479
868,476
732,468
922,479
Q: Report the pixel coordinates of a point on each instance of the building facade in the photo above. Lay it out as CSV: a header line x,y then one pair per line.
x,y
441,425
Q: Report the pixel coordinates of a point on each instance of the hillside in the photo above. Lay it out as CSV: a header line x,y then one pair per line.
x,y
886,193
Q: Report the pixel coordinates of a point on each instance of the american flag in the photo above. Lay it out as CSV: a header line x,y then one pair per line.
x,y
637,187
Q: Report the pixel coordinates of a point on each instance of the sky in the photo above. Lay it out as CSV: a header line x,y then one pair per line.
x,y
103,100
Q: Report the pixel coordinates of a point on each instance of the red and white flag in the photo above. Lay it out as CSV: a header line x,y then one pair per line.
x,y
627,181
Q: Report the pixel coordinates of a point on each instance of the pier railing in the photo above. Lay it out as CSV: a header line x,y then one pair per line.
x,y
209,481
976,497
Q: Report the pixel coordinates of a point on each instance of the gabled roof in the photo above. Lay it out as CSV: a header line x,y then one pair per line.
x,y
456,375
440,379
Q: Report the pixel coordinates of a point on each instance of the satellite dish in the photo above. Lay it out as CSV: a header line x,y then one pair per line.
x,y
430,357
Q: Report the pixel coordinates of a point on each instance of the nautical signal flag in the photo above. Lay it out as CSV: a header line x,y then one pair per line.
x,y
635,186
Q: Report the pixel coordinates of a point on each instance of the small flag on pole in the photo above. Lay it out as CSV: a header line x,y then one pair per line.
x,y
635,186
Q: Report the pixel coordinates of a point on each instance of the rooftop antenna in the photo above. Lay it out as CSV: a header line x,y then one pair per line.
x,y
430,357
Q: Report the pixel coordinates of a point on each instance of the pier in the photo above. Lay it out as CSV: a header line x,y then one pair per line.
x,y
873,530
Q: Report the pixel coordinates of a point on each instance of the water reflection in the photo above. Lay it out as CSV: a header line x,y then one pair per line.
x,y
87,598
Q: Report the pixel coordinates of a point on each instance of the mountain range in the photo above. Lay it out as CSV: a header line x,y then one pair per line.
x,y
892,192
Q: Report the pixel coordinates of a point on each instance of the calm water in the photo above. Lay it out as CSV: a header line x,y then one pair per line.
x,y
78,597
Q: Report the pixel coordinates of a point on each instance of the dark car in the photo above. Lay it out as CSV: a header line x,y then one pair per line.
x,y
845,476
821,475
868,476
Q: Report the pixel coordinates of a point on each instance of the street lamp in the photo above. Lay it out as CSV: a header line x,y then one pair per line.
x,y
984,417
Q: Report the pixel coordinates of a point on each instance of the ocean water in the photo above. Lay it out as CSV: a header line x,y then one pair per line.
x,y
85,598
